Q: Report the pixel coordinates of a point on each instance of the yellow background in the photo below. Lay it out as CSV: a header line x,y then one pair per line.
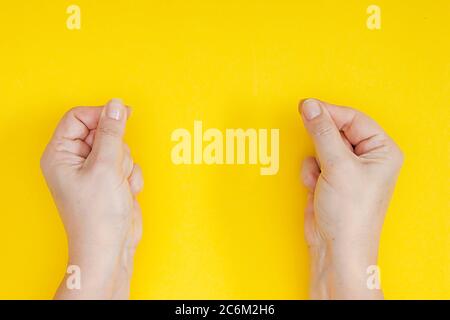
x,y
225,231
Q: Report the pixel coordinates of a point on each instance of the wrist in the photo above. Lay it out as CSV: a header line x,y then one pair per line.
x,y
354,250
94,272
350,268
319,273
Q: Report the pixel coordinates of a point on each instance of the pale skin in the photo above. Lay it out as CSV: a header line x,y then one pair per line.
x,y
94,182
350,183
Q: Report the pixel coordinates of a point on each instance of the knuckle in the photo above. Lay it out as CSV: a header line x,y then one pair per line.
x,y
140,173
60,145
398,156
138,184
322,129
108,131
72,111
43,163
127,149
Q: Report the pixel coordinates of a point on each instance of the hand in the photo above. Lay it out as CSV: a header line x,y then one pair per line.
x,y
94,182
350,185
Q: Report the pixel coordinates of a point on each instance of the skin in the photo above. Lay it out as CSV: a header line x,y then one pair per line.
x,y
350,183
94,182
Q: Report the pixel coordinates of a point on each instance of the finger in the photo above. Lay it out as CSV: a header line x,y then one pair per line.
x,y
310,173
325,135
108,141
77,123
136,232
137,223
77,147
128,162
90,138
359,129
309,209
309,220
346,142
136,180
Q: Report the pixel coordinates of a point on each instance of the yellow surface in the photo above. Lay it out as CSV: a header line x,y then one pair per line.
x,y
225,231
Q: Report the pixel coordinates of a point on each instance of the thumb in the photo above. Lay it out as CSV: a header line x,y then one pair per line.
x,y
325,135
108,141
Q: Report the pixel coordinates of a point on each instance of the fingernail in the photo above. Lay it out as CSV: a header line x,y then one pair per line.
x,y
114,109
311,109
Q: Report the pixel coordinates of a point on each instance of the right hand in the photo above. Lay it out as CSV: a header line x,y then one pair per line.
x,y
350,183
94,182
